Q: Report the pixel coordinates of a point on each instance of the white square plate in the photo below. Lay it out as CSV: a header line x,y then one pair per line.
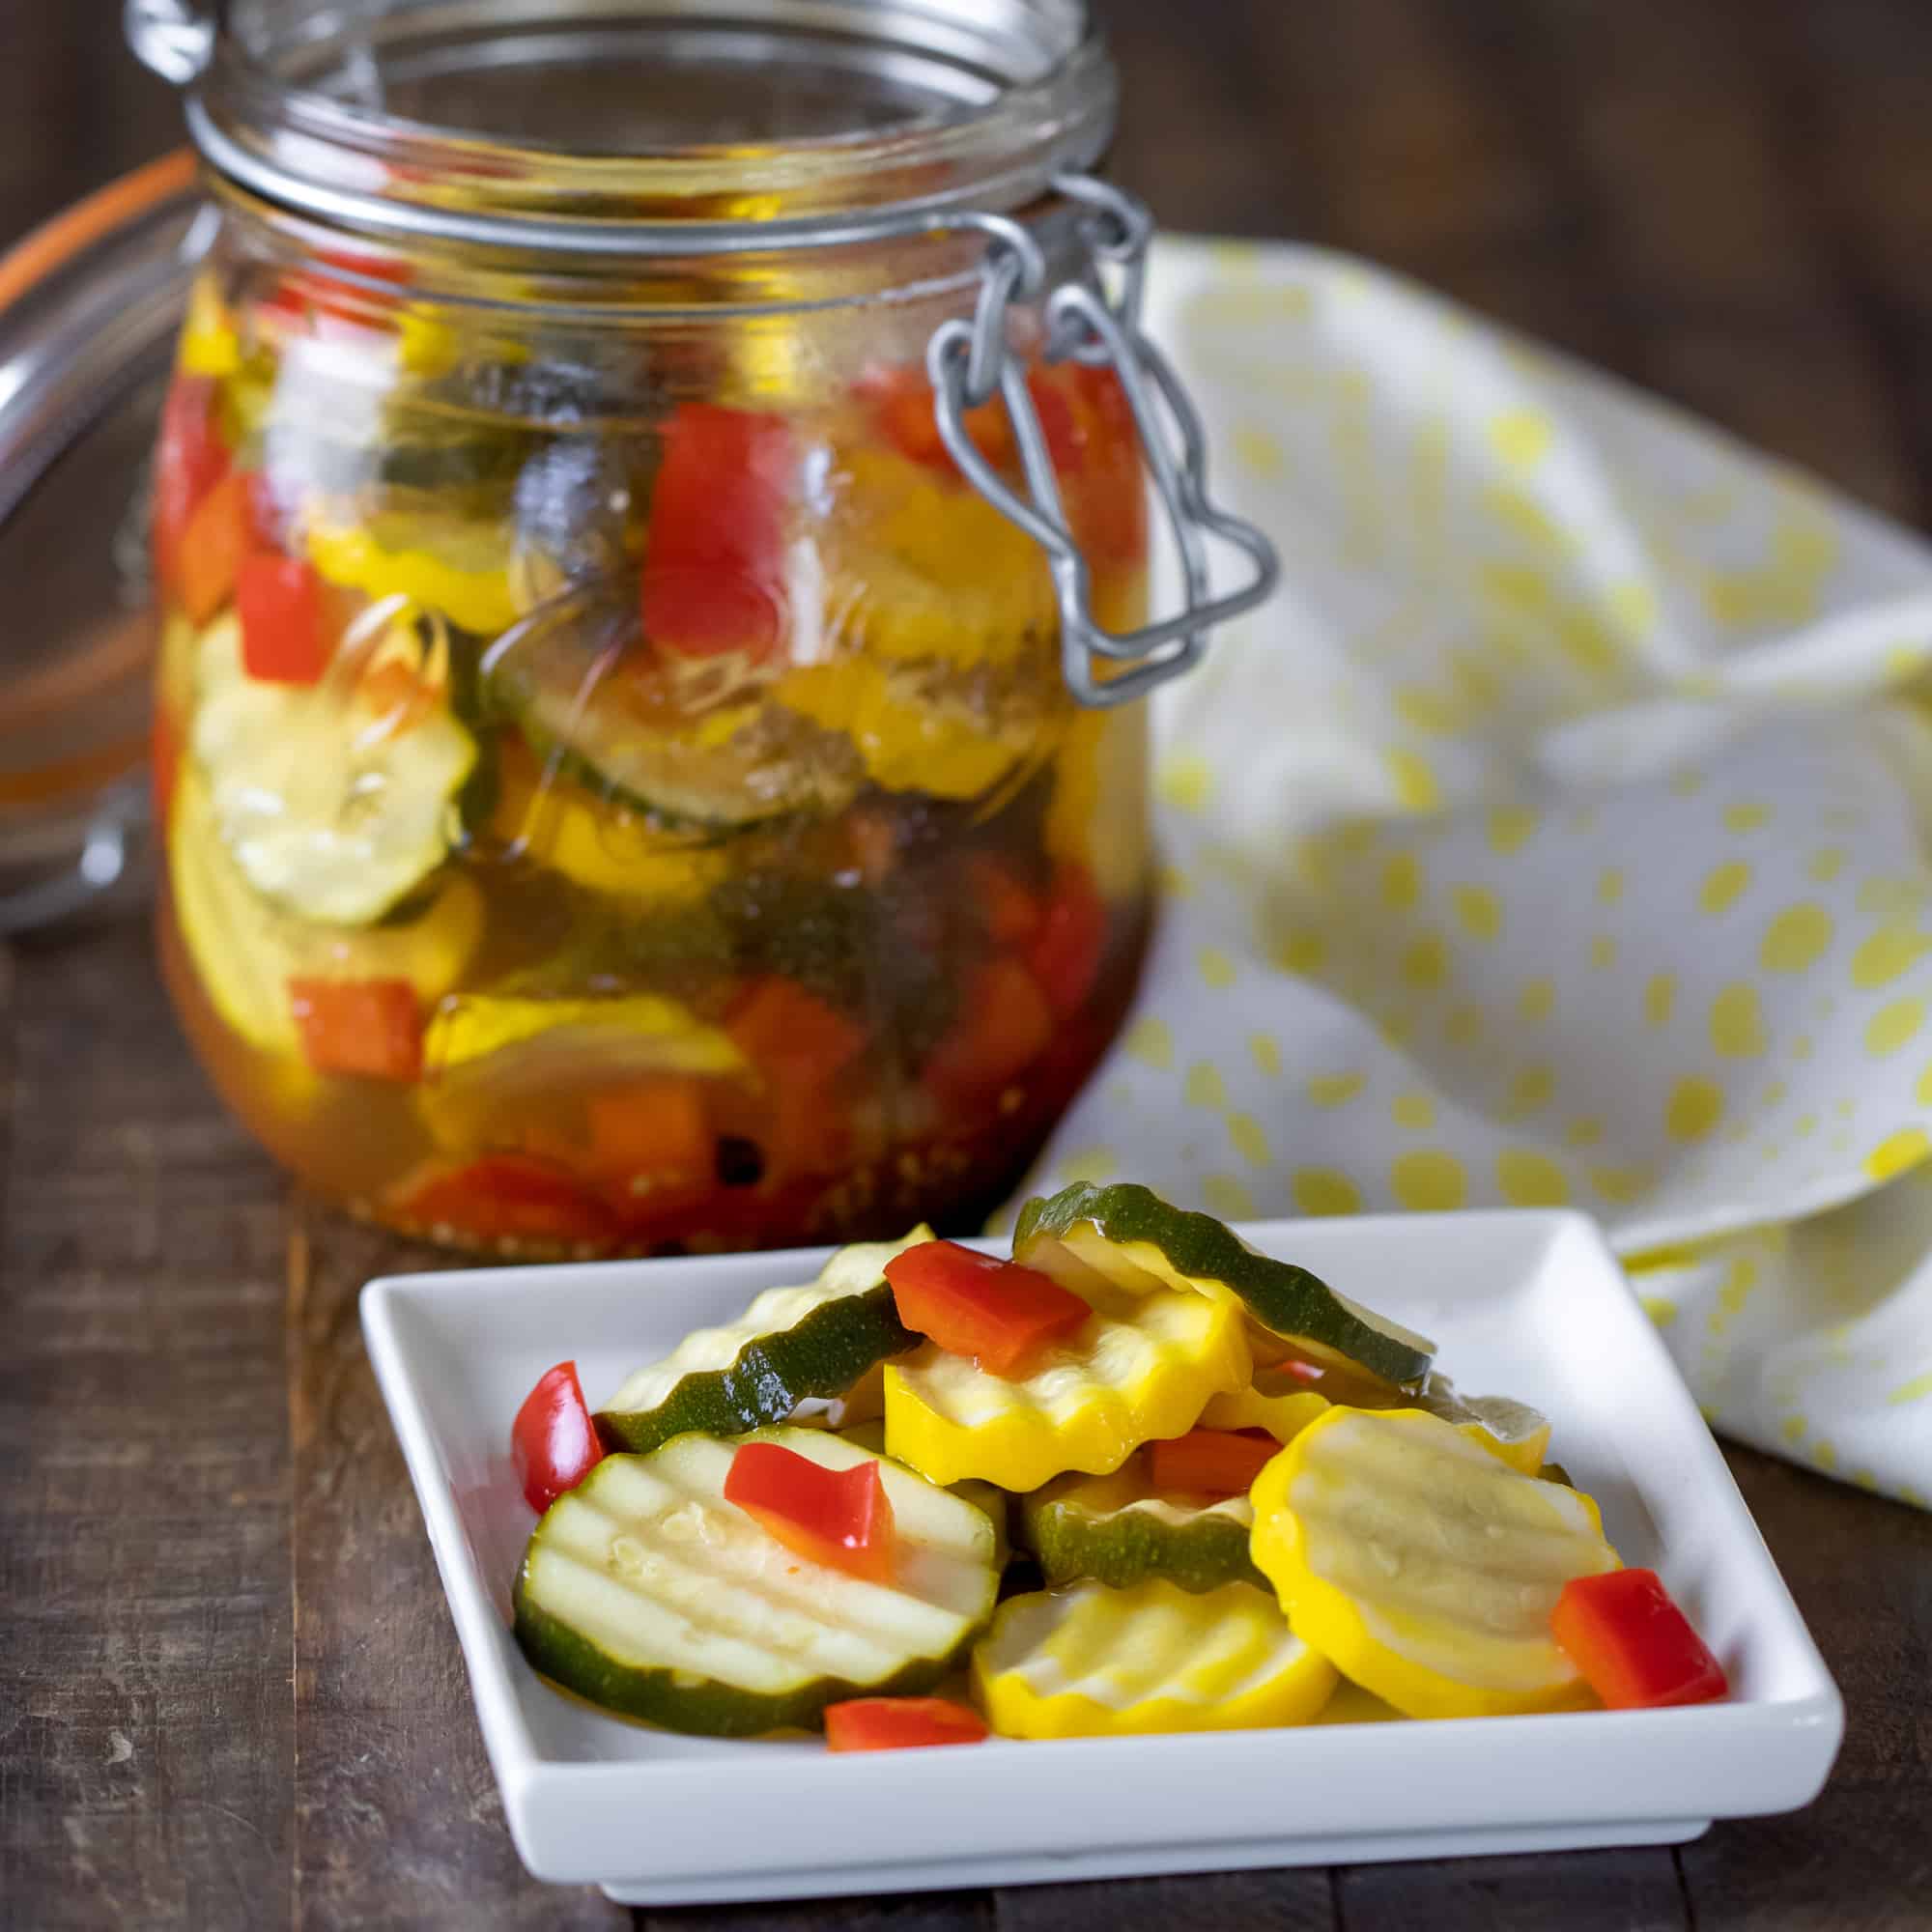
x,y
1530,1305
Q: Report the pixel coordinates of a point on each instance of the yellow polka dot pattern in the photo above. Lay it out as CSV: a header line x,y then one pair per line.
x,y
1534,856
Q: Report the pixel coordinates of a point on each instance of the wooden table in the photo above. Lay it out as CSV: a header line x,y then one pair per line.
x,y
229,1694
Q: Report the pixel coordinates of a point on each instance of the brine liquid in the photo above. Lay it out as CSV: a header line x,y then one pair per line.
x,y
666,830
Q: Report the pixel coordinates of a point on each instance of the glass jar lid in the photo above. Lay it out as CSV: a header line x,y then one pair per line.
x,y
634,127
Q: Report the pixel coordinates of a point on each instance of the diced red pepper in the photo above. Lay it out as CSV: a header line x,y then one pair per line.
x,y
1005,1025
714,569
508,1197
799,1046
903,406
777,1023
841,1518
280,598
1064,955
997,1312
657,1131
553,1441
901,1723
1635,1648
1106,499
224,531
303,293
367,1026
1211,1462
190,461
1013,915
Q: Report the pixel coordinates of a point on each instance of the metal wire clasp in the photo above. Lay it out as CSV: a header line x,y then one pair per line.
x,y
969,364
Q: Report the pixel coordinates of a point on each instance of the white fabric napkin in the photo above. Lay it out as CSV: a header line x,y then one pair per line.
x,y
1557,835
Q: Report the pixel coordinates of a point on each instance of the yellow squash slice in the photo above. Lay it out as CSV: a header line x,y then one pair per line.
x,y
1424,1567
434,559
1090,1662
1282,1406
1139,1367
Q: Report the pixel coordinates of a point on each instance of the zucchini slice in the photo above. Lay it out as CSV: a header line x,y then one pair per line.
x,y
1118,1531
586,694
1133,1238
332,806
1091,1662
1139,1367
644,1590
1507,1429
791,1345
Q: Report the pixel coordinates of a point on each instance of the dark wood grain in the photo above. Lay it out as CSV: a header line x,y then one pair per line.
x,y
229,1693
145,1713
397,1817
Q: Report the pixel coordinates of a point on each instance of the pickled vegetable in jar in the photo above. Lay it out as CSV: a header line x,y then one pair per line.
x,y
642,520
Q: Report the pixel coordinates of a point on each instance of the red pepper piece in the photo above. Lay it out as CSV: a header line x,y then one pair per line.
x,y
1003,1027
714,569
508,1197
840,1518
1211,1462
799,1045
655,1135
1635,1648
901,1723
776,1023
218,538
190,461
1064,955
996,1312
1013,916
1107,499
552,1441
903,408
367,1026
280,598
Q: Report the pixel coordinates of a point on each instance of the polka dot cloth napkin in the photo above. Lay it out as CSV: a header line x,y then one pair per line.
x,y
1555,836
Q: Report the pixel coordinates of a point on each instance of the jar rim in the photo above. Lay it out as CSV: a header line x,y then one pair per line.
x,y
1033,95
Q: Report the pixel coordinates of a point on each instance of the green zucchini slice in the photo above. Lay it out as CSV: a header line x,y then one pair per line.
x,y
330,808
583,692
647,1593
791,1345
1118,1530
1135,1239
1513,1430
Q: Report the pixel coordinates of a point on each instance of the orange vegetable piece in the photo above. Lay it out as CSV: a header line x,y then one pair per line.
x,y
901,1723
370,1028
218,537
1006,1024
657,1130
1211,1462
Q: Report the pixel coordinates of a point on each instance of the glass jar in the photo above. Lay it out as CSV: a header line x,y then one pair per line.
x,y
637,767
